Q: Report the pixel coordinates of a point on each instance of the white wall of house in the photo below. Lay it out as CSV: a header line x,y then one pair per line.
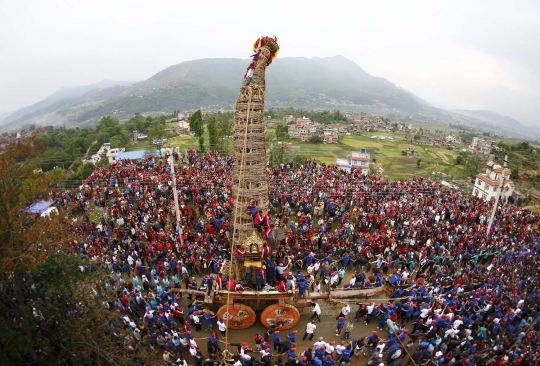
x,y
487,184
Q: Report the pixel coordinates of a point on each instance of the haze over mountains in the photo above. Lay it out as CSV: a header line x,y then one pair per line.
x,y
318,83
493,117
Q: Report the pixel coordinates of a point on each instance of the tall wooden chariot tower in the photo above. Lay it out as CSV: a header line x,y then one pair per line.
x,y
250,179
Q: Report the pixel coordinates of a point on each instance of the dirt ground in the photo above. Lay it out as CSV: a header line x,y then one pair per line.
x,y
325,328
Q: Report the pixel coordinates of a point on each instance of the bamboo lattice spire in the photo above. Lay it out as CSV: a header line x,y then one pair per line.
x,y
250,180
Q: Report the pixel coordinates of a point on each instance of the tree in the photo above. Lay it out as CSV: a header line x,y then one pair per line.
x,y
108,128
157,132
472,162
48,313
279,154
282,131
315,140
201,144
418,162
196,124
515,172
86,170
23,245
103,160
212,132
225,123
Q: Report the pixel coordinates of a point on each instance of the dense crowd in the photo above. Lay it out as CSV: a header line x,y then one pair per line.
x,y
462,297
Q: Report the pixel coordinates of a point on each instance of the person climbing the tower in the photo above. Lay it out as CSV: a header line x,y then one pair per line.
x,y
249,74
255,57
240,255
252,208
258,221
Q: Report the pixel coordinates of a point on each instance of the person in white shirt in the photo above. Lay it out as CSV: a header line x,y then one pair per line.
x,y
339,350
316,266
405,275
345,310
380,346
452,333
222,327
194,352
196,321
310,269
310,330
316,311
424,313
319,343
334,280
370,308
329,348
249,75
181,362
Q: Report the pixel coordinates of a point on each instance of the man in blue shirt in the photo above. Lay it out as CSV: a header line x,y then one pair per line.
x,y
302,288
346,354
340,324
277,341
215,343
208,320
292,336
328,361
291,354
319,352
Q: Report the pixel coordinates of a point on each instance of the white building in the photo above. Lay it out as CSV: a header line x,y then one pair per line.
x,y
487,185
106,150
184,116
357,160
483,146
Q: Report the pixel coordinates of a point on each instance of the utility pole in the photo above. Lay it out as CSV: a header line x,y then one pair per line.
x,y
501,183
175,194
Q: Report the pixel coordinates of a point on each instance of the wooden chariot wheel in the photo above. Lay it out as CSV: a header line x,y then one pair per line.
x,y
284,316
237,316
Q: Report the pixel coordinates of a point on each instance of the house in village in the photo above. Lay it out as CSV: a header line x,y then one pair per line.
x,y
183,128
483,146
304,129
184,115
288,119
105,150
410,152
487,184
356,160
330,135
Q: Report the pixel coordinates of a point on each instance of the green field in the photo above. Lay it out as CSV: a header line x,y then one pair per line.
x,y
184,142
388,153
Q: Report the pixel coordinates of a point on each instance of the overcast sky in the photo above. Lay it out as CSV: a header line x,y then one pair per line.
x,y
455,54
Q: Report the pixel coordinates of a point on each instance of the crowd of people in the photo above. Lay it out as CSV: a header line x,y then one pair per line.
x,y
461,296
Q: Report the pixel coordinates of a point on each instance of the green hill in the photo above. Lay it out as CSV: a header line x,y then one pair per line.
x,y
322,83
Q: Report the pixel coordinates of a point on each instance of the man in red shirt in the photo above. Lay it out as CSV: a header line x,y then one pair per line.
x,y
257,221
240,255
